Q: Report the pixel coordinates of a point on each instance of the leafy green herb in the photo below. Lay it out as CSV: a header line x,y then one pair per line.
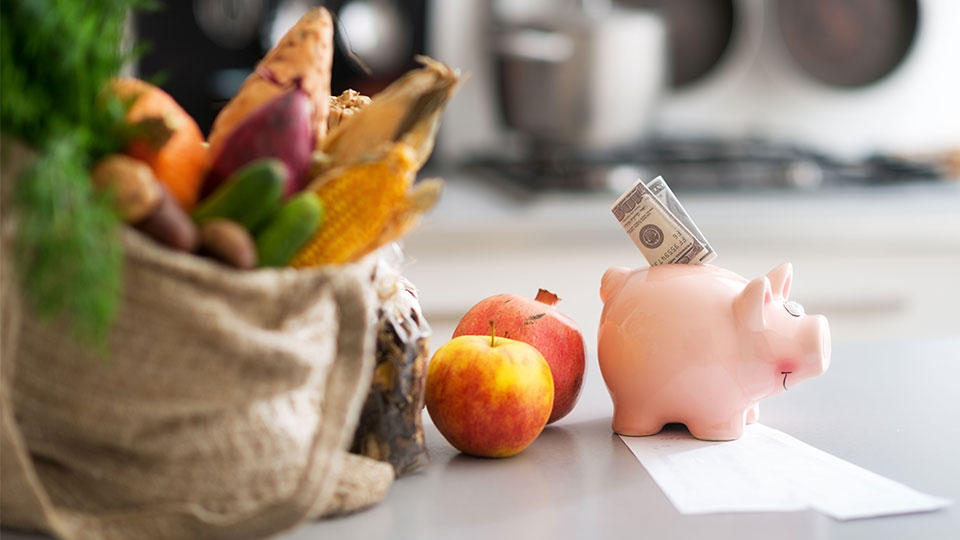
x,y
58,55
67,250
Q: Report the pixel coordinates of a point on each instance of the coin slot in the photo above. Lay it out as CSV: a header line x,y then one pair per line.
x,y
793,308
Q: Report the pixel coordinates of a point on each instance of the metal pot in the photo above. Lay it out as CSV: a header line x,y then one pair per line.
x,y
583,79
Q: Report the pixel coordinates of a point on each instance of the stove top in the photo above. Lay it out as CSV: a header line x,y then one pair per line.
x,y
700,164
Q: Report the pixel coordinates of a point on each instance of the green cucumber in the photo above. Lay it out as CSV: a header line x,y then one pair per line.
x,y
250,196
289,230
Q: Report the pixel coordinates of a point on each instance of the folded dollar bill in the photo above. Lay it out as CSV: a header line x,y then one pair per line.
x,y
663,192
659,226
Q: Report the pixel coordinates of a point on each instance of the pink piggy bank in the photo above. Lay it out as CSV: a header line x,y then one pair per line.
x,y
702,346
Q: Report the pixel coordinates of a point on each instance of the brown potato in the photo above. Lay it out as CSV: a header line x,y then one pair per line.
x,y
229,242
136,192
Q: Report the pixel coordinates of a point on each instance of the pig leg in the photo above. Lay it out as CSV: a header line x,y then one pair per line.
x,y
753,413
628,422
718,429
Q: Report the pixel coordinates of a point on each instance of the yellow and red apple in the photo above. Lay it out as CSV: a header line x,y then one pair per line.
x,y
489,396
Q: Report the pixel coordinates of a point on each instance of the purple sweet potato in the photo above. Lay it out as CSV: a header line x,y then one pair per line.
x,y
280,128
170,225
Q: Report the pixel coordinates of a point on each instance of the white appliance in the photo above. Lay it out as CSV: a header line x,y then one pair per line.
x,y
756,88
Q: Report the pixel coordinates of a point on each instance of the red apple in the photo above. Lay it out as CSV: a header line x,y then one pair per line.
x,y
489,396
538,323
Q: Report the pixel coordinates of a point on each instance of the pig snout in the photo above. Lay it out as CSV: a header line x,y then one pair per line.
x,y
814,341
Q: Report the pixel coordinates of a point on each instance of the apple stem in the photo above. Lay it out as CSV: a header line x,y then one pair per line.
x,y
492,334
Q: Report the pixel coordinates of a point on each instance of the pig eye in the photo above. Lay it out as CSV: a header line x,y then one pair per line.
x,y
794,308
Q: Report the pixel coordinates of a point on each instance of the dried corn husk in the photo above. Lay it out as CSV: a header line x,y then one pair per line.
x,y
418,199
390,427
408,110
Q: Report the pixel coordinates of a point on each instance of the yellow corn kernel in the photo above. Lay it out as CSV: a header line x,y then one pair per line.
x,y
357,205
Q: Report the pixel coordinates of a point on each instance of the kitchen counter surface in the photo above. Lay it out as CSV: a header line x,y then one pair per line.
x,y
891,407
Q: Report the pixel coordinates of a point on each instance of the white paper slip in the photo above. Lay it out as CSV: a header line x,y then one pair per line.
x,y
768,470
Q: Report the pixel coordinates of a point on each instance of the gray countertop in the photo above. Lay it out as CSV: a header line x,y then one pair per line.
x,y
474,213
890,407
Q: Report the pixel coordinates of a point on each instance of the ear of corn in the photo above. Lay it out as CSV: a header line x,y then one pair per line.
x,y
361,202
369,164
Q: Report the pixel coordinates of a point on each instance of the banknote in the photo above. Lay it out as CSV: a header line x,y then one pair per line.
x,y
659,235
663,192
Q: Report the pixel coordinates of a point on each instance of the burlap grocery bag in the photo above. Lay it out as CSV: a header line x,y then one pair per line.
x,y
223,409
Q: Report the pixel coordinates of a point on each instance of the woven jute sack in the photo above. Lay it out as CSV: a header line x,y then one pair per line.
x,y
222,409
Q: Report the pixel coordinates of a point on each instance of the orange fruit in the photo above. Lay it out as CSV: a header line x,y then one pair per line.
x,y
181,162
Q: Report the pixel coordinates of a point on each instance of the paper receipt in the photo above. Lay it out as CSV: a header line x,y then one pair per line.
x,y
768,470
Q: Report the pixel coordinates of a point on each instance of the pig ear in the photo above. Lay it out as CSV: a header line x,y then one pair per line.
x,y
780,279
612,280
748,305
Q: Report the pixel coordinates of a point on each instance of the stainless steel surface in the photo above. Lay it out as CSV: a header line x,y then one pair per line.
x,y
583,77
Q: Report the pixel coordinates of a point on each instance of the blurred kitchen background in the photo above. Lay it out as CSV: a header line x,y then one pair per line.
x,y
822,132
